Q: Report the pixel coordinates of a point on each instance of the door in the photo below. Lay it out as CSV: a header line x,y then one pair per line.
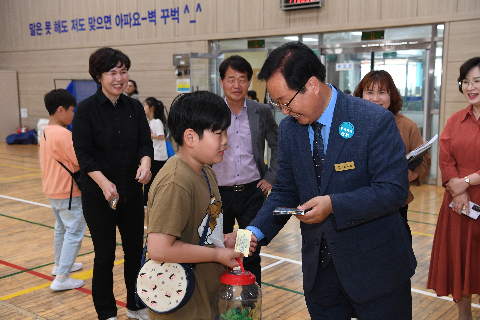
x,y
407,68
204,72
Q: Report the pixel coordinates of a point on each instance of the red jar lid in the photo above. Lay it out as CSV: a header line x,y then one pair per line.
x,y
237,278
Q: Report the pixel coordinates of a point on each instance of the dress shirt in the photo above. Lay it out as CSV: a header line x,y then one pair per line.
x,y
326,120
238,165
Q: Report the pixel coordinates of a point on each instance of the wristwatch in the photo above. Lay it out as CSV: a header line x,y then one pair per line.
x,y
467,180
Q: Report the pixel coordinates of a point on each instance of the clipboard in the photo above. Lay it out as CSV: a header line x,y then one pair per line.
x,y
415,157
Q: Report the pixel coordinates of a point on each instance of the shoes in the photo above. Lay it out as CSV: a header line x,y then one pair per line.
x,y
75,267
112,318
66,285
138,314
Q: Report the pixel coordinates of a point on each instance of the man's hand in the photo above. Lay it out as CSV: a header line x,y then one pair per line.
x,y
264,185
320,208
230,238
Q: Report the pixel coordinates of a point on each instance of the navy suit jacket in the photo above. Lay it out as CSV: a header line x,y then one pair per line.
x,y
366,236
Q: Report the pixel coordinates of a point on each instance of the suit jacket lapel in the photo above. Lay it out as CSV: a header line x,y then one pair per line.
x,y
335,141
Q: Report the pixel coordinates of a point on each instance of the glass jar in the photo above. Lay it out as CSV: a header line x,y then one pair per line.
x,y
239,296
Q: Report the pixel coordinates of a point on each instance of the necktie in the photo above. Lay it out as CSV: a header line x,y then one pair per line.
x,y
318,153
318,159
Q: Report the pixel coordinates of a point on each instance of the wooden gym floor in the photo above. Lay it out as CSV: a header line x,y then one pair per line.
x,y
27,257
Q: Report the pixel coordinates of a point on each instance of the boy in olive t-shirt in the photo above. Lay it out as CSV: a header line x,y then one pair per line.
x,y
183,196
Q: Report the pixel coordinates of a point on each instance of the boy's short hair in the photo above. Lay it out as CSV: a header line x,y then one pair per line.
x,y
56,98
104,60
199,111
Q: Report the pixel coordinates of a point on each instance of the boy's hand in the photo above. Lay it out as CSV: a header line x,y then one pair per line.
x,y
231,238
228,257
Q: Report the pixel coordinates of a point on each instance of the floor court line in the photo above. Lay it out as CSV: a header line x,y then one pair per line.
x,y
20,310
50,279
25,201
17,167
263,254
22,176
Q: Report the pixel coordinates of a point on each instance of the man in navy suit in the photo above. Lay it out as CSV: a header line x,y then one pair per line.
x,y
357,258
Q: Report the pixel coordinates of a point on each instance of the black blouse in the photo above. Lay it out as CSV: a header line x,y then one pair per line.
x,y
111,139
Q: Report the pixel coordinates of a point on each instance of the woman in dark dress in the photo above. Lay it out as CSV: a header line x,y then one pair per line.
x,y
112,142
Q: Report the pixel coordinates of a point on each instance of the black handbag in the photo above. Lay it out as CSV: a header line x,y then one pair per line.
x,y
164,287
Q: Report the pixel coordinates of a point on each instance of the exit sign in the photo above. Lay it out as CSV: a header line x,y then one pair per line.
x,y
256,44
373,35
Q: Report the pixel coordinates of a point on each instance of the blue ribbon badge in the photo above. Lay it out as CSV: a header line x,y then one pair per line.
x,y
346,130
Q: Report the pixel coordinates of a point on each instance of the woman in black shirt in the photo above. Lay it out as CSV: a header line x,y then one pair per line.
x,y
112,142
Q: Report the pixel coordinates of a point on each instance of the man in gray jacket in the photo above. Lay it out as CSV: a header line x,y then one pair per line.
x,y
243,177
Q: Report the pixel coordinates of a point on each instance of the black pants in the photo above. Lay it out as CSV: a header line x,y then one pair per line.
x,y
156,166
243,206
102,222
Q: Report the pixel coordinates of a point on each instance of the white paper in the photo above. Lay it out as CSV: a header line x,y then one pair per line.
x,y
217,243
425,146
474,210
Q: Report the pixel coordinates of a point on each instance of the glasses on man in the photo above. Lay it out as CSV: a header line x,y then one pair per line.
x,y
465,83
285,106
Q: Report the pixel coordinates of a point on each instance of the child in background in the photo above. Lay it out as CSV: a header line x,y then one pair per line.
x,y
155,111
198,123
56,145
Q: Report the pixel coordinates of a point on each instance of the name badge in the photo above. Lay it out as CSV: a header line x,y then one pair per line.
x,y
344,166
346,130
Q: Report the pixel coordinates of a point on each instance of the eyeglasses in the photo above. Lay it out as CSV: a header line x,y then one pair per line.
x,y
285,106
466,83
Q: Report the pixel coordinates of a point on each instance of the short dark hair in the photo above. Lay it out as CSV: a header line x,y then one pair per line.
x,y
104,60
296,62
237,63
199,111
134,84
385,82
465,68
58,98
252,94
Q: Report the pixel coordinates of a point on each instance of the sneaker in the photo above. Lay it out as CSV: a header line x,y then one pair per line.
x,y
138,314
66,285
112,318
75,267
